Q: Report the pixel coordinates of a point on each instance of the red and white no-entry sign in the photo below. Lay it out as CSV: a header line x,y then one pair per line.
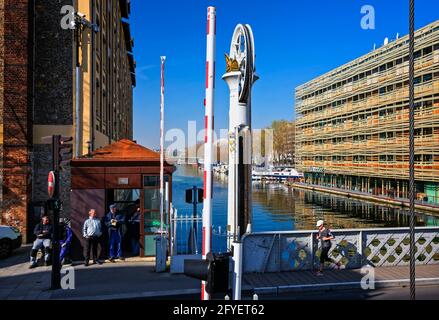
x,y
51,184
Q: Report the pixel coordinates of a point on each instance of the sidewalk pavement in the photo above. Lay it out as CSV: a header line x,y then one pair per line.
x,y
121,280
136,279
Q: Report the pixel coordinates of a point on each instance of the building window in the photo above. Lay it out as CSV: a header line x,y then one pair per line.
x,y
427,51
427,77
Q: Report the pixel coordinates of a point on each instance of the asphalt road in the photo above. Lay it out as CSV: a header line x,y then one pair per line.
x,y
422,293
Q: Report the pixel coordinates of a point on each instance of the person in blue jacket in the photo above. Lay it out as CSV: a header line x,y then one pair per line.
x,y
66,240
114,222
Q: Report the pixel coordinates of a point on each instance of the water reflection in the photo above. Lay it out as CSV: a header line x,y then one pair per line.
x,y
277,207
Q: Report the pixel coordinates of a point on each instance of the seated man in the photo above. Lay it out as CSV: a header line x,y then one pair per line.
x,y
44,233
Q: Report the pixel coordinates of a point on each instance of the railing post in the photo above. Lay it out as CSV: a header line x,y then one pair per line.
x,y
175,250
171,230
311,249
360,248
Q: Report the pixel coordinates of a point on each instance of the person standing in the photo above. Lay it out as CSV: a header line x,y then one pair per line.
x,y
114,222
44,233
134,231
325,236
66,237
91,231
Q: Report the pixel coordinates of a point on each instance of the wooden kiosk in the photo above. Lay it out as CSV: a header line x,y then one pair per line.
x,y
128,175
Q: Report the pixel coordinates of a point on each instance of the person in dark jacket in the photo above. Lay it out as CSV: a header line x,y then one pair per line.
x,y
44,233
66,240
114,222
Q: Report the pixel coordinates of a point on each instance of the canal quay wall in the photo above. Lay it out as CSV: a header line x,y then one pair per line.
x,y
363,196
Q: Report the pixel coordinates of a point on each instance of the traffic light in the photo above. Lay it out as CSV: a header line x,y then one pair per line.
x,y
194,195
62,152
53,204
214,270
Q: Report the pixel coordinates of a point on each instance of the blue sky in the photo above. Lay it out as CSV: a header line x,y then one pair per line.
x,y
295,42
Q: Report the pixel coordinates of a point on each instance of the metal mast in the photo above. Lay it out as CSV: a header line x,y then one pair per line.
x,y
162,141
412,148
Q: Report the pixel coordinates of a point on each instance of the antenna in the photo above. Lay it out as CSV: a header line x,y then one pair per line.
x,y
397,35
386,41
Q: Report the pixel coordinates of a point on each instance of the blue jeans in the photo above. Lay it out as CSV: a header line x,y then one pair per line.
x,y
40,244
135,247
115,244
63,250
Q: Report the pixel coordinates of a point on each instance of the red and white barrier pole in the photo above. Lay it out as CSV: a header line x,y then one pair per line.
x,y
208,140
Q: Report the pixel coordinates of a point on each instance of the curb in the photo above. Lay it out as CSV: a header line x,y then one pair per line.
x,y
138,295
340,286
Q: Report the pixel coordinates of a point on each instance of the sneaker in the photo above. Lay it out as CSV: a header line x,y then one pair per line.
x,y
121,258
112,260
33,266
99,262
86,263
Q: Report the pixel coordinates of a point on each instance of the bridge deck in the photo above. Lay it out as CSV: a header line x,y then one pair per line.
x,y
300,280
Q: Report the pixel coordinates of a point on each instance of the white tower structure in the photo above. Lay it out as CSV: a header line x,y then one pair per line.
x,y
240,77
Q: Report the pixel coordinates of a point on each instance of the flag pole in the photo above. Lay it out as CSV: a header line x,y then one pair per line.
x,y
162,141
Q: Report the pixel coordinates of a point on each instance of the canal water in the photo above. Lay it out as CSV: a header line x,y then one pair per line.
x,y
279,208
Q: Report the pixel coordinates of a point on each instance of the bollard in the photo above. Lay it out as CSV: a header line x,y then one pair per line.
x,y
227,298
255,297
161,254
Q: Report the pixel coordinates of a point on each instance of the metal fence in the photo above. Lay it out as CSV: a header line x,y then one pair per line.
x,y
353,248
186,234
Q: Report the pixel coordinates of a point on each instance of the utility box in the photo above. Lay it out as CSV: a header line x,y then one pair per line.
x,y
161,253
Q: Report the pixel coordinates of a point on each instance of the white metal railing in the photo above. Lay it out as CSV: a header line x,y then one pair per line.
x,y
352,248
186,234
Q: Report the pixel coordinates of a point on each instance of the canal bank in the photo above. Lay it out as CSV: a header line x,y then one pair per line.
x,y
367,197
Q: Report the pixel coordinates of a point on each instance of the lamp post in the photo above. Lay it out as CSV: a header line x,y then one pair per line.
x,y
412,149
80,24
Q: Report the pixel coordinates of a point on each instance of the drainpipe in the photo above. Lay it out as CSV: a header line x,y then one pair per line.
x,y
78,32
93,85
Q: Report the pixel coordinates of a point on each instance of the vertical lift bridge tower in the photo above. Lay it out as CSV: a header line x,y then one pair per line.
x,y
240,77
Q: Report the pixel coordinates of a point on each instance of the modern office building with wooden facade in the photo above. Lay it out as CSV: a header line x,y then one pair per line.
x,y
352,123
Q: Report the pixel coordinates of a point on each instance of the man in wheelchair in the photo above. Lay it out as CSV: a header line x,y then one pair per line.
x,y
44,232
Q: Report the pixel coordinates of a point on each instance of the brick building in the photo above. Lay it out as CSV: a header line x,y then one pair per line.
x,y
37,94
